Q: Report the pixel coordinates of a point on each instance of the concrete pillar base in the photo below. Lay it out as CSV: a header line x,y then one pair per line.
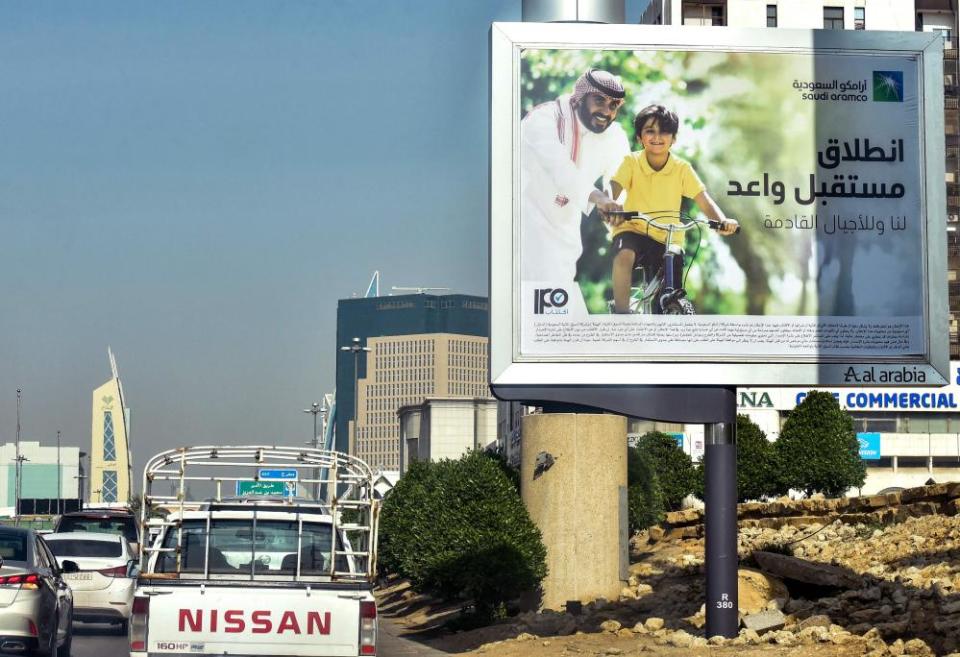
x,y
576,494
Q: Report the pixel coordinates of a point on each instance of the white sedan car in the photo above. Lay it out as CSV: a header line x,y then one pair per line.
x,y
102,590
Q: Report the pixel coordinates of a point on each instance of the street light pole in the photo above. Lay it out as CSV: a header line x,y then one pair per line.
x,y
316,408
81,477
59,475
356,348
16,468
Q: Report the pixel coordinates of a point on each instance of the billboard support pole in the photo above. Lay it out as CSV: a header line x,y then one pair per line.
x,y
716,409
720,520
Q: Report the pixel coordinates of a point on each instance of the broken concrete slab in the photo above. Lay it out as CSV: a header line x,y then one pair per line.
x,y
808,572
765,621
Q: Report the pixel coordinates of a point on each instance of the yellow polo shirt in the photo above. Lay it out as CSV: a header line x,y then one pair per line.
x,y
657,193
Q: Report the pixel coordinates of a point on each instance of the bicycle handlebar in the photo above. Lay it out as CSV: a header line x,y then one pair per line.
x,y
715,225
632,214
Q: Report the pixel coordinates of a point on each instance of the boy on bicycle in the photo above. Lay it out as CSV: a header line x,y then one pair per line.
x,y
656,182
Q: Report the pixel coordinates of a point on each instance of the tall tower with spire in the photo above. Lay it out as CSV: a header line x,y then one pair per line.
x,y
111,468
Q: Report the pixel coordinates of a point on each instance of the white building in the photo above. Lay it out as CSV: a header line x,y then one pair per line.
x,y
446,428
907,15
39,477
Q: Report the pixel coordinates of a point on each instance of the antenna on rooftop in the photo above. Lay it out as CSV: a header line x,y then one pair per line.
x,y
373,290
418,290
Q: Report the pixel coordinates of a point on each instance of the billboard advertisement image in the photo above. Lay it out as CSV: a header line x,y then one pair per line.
x,y
677,199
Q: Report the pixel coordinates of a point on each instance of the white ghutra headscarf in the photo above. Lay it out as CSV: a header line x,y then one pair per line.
x,y
599,82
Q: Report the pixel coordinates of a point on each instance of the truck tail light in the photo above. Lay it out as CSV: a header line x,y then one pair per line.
x,y
138,623
368,627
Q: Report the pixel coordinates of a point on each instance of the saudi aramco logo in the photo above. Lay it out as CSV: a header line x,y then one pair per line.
x,y
888,86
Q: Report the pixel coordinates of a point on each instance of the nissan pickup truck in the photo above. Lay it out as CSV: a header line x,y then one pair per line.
x,y
258,574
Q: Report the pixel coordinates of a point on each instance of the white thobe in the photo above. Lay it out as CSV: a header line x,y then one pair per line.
x,y
560,162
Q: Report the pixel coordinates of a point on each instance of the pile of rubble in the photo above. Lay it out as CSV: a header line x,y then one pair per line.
x,y
902,580
936,499
892,588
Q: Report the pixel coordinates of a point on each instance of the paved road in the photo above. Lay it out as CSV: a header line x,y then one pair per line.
x,y
391,644
94,640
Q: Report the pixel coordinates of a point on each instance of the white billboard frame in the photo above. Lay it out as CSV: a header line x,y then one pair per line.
x,y
508,368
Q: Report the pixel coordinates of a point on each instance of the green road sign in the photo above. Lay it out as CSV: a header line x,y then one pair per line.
x,y
262,488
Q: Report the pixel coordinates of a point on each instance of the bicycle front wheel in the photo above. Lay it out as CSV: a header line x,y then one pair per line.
x,y
679,307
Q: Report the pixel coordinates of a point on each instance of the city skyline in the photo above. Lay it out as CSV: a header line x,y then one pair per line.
x,y
197,185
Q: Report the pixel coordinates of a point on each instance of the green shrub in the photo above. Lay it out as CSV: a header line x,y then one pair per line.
x,y
757,472
402,517
644,497
700,478
513,474
678,477
817,449
459,529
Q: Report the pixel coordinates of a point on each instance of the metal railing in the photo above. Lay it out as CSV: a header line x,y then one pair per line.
x,y
346,481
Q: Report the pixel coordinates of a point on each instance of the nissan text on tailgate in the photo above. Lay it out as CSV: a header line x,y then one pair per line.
x,y
260,573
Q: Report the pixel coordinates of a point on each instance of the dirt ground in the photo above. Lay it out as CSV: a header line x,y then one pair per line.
x,y
424,619
907,605
606,644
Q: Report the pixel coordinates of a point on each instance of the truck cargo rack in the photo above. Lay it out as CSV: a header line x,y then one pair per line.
x,y
344,482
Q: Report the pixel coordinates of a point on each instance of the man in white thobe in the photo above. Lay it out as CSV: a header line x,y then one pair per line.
x,y
566,145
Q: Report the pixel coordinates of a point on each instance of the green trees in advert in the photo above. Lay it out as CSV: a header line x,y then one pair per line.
x,y
733,113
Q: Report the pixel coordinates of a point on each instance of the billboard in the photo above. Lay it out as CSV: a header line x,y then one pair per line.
x,y
675,205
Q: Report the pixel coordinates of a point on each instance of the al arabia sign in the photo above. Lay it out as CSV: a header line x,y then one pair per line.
x,y
692,206
911,399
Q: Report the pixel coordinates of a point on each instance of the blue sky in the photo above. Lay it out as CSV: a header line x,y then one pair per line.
x,y
196,184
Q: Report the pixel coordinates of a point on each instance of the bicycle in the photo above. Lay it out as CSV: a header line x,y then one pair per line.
x,y
661,288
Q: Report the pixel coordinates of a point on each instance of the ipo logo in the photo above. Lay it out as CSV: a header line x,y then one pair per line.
x,y
550,301
888,86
